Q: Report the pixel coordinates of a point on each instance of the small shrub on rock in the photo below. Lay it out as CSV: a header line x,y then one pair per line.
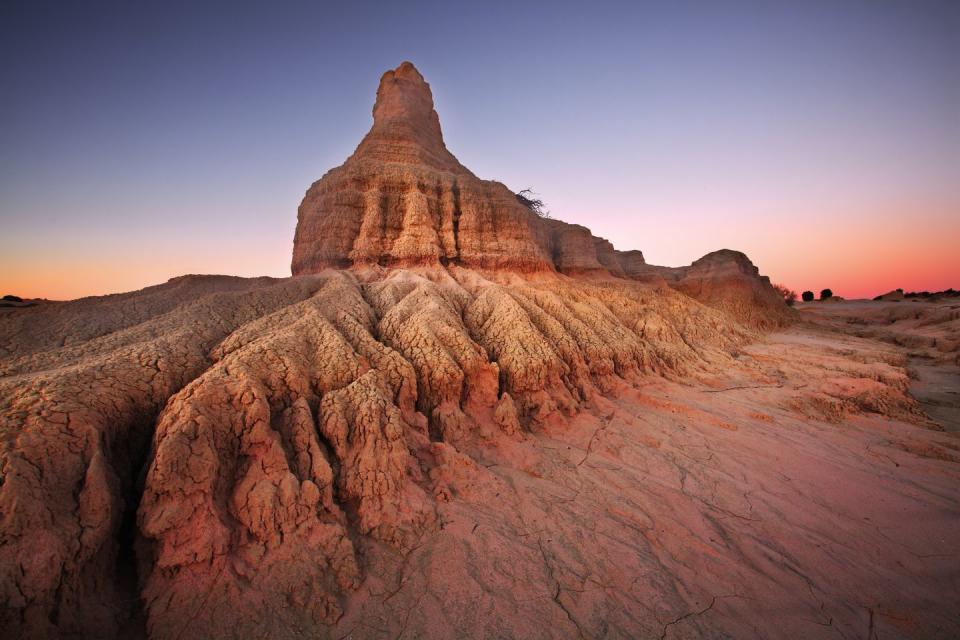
x,y
528,199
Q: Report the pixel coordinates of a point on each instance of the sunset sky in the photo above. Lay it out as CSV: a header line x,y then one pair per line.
x,y
141,141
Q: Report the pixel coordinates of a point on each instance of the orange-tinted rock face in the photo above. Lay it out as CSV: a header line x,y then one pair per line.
x,y
728,281
223,458
406,129
402,199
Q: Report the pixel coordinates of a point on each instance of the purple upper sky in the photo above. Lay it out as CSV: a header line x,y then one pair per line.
x,y
139,141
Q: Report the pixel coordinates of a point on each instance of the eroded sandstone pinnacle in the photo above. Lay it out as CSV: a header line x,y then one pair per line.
x,y
406,128
402,199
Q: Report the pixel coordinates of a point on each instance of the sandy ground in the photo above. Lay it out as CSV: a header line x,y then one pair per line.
x,y
797,496
937,389
926,332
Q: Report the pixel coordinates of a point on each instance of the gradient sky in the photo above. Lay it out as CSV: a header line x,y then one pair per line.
x,y
140,140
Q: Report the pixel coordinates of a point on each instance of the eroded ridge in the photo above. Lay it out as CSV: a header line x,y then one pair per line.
x,y
308,432
341,413
77,411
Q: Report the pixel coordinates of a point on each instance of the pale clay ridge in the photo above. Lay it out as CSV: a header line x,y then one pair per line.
x,y
475,446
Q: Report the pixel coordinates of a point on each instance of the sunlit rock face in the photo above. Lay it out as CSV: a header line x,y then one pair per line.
x,y
402,199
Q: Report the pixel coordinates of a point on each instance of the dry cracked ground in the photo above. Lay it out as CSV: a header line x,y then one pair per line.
x,y
429,453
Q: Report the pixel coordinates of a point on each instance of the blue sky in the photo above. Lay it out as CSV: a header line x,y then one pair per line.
x,y
139,141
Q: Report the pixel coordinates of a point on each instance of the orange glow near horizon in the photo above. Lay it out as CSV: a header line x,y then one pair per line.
x,y
117,268
854,260
910,251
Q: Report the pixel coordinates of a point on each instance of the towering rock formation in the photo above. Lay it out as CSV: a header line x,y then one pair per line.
x,y
402,199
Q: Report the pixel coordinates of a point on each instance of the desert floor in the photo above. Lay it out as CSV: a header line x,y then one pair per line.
x,y
809,488
796,497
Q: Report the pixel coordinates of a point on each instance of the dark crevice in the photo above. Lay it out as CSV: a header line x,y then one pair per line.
x,y
456,222
349,506
384,210
281,422
424,407
57,599
433,428
131,458
555,251
374,328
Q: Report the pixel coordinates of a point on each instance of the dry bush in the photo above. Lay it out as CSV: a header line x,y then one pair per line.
x,y
789,295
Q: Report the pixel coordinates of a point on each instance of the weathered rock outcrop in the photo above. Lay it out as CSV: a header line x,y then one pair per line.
x,y
79,395
402,199
728,281
458,415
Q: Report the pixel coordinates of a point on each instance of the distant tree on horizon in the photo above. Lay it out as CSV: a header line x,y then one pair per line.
x,y
807,296
826,294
